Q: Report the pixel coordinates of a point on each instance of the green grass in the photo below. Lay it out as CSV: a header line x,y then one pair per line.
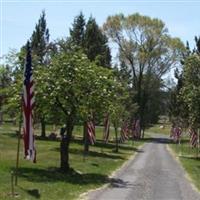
x,y
156,129
43,179
189,160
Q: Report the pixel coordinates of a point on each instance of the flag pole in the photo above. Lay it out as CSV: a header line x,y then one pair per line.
x,y
18,144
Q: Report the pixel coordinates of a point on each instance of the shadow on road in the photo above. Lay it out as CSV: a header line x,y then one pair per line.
x,y
162,140
119,183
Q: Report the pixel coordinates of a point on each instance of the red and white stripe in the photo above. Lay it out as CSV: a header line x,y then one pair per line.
x,y
124,133
28,105
193,138
91,132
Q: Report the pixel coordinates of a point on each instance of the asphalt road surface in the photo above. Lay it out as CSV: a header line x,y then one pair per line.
x,y
152,175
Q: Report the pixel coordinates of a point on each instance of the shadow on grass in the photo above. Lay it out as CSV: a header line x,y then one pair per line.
x,y
73,177
92,153
191,157
111,145
32,192
10,134
102,152
55,175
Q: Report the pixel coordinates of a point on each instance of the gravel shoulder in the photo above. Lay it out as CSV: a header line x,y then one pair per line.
x,y
152,175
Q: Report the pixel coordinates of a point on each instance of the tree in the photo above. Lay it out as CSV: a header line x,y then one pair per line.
x,y
179,106
146,49
40,40
76,86
96,44
197,48
77,33
178,109
190,91
40,53
5,81
90,39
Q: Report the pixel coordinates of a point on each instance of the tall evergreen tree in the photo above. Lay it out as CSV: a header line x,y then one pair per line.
x,y
77,33
96,44
40,39
40,47
197,42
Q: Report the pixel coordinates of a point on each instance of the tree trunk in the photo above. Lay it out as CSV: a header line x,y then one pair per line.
x,y
1,117
116,139
43,127
64,144
64,149
86,141
143,133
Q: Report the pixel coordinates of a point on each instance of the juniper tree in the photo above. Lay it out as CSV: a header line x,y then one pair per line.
x,y
77,32
96,44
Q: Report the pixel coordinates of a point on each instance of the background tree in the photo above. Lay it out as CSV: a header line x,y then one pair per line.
x,y
40,53
77,32
96,44
147,51
190,91
178,109
5,81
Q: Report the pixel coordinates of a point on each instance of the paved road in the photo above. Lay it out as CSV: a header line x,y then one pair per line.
x,y
152,175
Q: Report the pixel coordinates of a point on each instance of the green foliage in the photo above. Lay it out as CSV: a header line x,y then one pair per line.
x,y
5,81
40,40
146,52
191,88
72,81
178,109
77,33
96,46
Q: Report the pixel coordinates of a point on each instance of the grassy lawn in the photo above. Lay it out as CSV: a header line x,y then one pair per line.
x,y
43,179
163,129
188,159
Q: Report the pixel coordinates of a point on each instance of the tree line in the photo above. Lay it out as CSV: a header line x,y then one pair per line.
x,y
184,100
76,80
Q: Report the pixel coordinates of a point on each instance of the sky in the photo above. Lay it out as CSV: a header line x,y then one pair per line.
x,y
19,17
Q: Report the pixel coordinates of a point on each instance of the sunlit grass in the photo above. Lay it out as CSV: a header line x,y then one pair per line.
x,y
163,129
189,158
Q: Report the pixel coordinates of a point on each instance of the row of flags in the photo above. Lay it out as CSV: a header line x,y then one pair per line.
x,y
125,131
176,133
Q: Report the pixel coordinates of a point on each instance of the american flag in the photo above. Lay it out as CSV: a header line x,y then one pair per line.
x,y
176,133
91,132
124,133
193,137
28,104
106,129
